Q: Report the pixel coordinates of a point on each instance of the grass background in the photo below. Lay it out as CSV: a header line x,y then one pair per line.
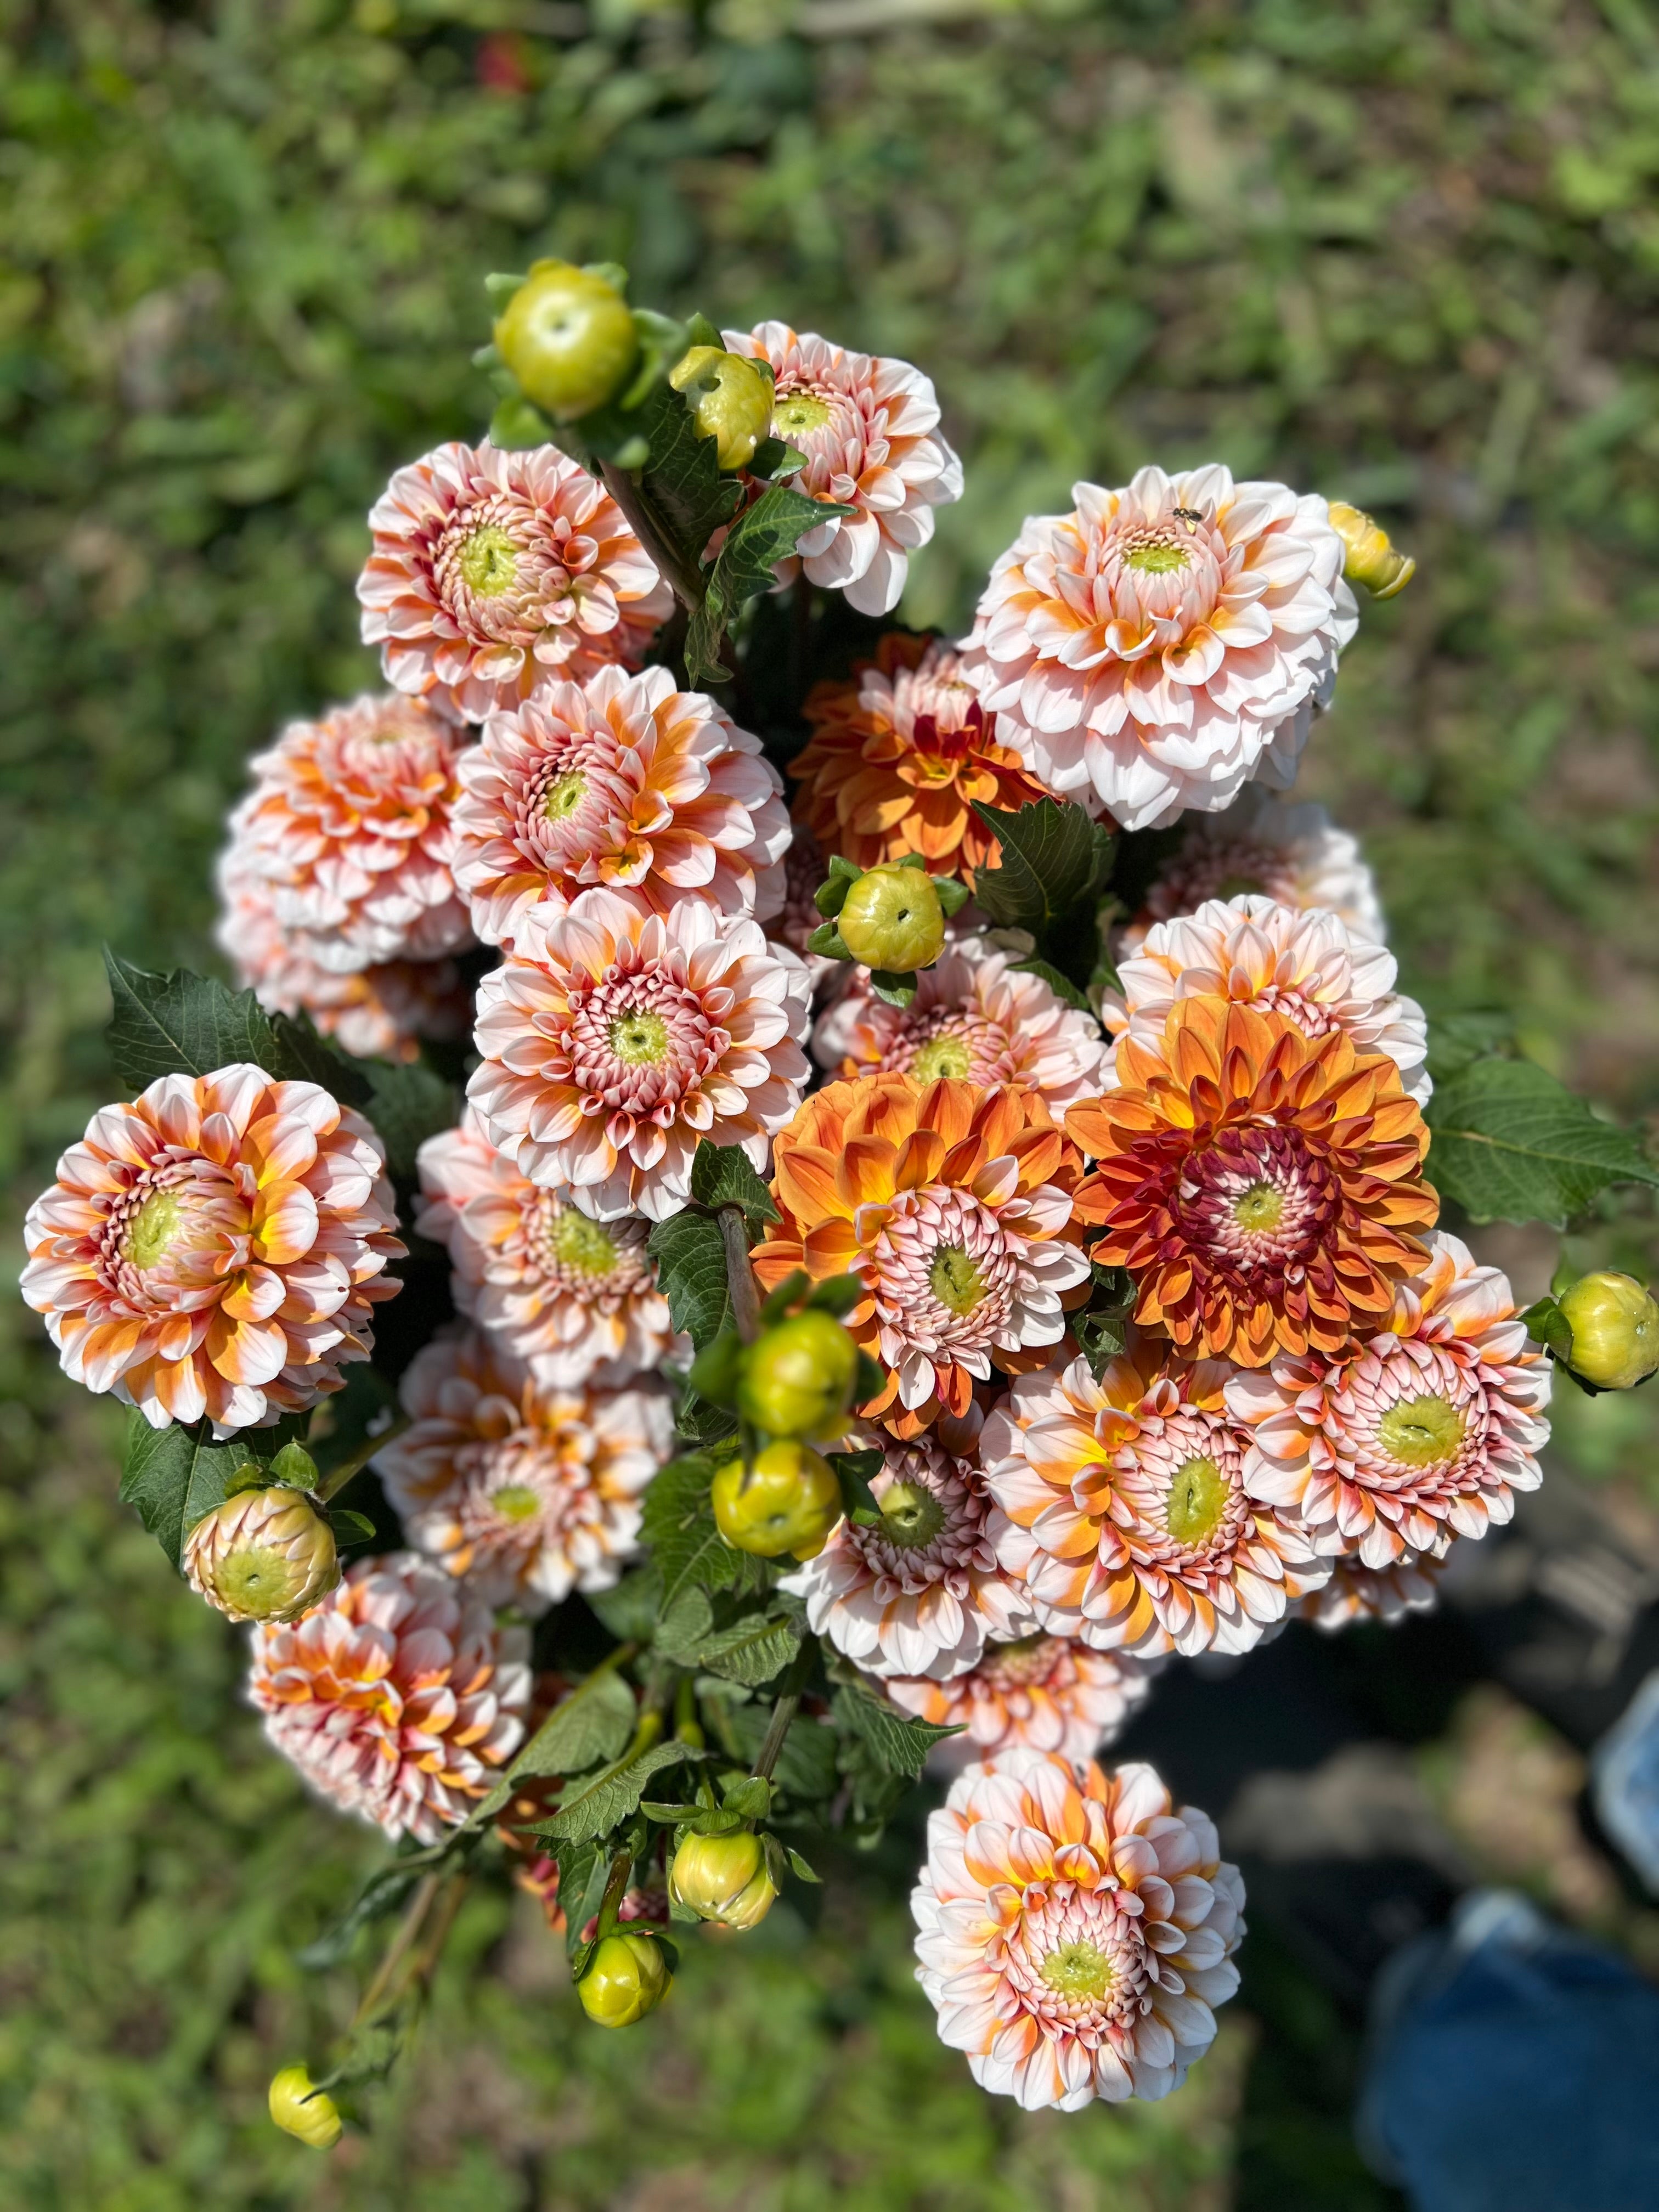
x,y
1403,252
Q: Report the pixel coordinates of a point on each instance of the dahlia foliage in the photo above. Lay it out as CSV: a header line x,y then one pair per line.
x,y
809,1368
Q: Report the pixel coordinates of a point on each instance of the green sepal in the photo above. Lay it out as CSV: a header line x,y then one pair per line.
x,y
773,461
826,939
749,1796
715,1370
294,1467
953,895
854,1470
700,331
870,1380
892,987
836,1294
831,894
778,1302
517,424
350,1527
500,287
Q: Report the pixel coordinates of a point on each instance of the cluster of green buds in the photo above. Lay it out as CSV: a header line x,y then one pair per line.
x,y
1371,559
891,917
1603,1329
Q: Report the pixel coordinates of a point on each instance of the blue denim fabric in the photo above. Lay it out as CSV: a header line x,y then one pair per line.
x,y
1515,2068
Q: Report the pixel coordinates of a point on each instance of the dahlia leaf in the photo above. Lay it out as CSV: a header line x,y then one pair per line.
x,y
1062,986
173,1477
681,482
900,1745
630,1608
1457,1041
1054,857
383,1892
408,1104
1511,1143
597,1805
761,536
690,1256
750,1651
685,1622
722,1176
590,1727
182,1023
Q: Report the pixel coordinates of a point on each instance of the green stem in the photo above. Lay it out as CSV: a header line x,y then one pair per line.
x,y
783,1712
739,1275
337,1478
625,487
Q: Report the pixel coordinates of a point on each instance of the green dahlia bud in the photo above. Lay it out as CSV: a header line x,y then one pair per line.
x,y
723,1878
788,1501
263,1555
301,2111
569,338
796,1380
1371,560
731,401
628,1977
891,918
1615,1330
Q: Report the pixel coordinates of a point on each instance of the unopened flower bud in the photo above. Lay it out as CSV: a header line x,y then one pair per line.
x,y
891,919
731,401
788,1501
263,1555
1371,559
301,2111
723,1878
796,1380
628,1977
1615,1330
569,338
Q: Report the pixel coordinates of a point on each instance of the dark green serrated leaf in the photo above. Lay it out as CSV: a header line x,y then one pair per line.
x,y
182,1023
761,536
175,1476
1511,1143
751,1652
685,1620
680,482
594,1808
592,1724
628,1609
407,1105
899,1745
722,1176
383,1892
690,1256
584,1869
1062,986
1456,1040
1054,857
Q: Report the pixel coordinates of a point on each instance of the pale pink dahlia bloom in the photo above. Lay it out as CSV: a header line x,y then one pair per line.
x,y
529,1493
1074,1930
397,1698
623,783
571,1297
1044,1691
921,1593
214,1248
1306,966
869,429
379,1013
797,917
614,1040
1124,1510
1162,646
494,575
348,830
1290,853
1425,1430
975,1016
1385,1594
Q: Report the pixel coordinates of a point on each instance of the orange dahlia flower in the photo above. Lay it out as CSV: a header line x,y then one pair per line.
x,y
1261,1185
216,1247
898,754
953,1204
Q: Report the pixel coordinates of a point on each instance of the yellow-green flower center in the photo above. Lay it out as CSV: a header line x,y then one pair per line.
x,y
153,1228
1155,560
580,1243
912,1515
942,1056
1198,1501
1078,1970
516,1501
564,797
258,1582
638,1040
1260,1207
1421,1432
954,1280
489,560
798,412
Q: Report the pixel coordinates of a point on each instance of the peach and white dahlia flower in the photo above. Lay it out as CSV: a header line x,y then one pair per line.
x,y
1424,1430
1162,646
623,783
869,429
1262,1186
953,1205
528,1493
571,1297
378,1013
397,1698
975,1017
797,917
1074,1930
494,575
348,830
1291,853
1124,1510
1255,953
614,1040
922,1593
1048,1692
898,755
1382,1594
214,1248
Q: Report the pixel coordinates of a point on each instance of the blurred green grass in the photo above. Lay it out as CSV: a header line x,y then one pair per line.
x,y
1407,253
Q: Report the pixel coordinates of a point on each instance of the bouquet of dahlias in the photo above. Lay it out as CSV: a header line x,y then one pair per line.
x,y
860,1195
